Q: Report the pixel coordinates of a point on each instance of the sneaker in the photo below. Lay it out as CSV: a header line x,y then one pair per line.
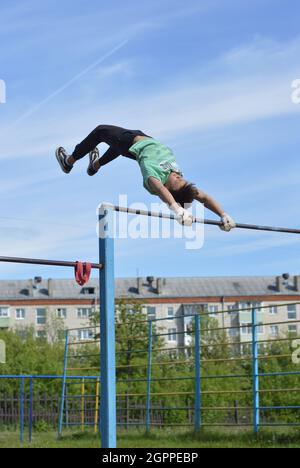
x,y
94,156
61,156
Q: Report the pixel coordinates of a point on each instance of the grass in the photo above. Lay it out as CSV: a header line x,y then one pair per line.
x,y
161,439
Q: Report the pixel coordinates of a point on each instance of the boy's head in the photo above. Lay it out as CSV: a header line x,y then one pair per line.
x,y
182,191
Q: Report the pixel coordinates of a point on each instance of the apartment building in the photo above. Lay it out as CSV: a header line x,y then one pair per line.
x,y
30,303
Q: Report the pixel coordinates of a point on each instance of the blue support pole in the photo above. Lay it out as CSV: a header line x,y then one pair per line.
x,y
149,375
30,408
255,373
197,373
63,391
108,414
22,391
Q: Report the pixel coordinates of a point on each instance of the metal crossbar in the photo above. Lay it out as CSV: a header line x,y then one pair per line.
x,y
210,222
37,261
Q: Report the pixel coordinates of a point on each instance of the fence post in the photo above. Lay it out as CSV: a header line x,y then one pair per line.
x,y
108,413
82,404
30,408
22,391
255,372
197,373
149,374
62,403
96,420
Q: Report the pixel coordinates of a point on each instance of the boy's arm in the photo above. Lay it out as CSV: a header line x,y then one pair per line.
x,y
212,205
183,216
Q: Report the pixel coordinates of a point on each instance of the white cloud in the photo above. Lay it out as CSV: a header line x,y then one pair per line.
x,y
234,94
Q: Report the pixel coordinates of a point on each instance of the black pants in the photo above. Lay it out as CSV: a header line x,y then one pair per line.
x,y
119,140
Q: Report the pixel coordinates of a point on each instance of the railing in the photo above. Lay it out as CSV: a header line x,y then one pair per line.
x,y
211,374
205,378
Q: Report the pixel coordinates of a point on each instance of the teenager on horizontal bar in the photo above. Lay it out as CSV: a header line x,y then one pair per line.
x,y
161,174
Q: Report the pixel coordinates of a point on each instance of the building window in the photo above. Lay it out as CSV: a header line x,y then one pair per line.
x,y
86,334
61,313
246,349
170,312
151,313
233,332
260,329
88,291
41,316
20,314
292,313
4,312
84,312
274,330
172,334
273,310
246,329
213,310
232,309
293,329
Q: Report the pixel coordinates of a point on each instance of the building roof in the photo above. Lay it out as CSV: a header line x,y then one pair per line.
x,y
187,287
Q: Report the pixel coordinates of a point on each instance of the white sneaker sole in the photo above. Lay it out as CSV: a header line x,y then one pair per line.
x,y
59,160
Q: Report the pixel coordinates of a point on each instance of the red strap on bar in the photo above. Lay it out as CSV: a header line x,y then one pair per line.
x,y
82,273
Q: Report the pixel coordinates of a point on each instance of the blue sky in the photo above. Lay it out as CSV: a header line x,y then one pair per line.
x,y
211,79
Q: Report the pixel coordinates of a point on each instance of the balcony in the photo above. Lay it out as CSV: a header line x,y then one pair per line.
x,y
4,322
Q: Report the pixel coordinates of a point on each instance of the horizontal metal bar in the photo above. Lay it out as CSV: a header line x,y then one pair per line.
x,y
181,408
79,356
153,214
212,392
133,424
278,407
289,322
154,364
153,409
49,377
279,390
36,261
280,424
247,358
213,345
91,327
159,379
277,374
78,424
82,368
85,395
83,342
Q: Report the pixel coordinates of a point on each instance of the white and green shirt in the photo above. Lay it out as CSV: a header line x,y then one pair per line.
x,y
155,160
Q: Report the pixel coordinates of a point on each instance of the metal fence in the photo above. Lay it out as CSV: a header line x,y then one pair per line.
x,y
234,368
237,374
